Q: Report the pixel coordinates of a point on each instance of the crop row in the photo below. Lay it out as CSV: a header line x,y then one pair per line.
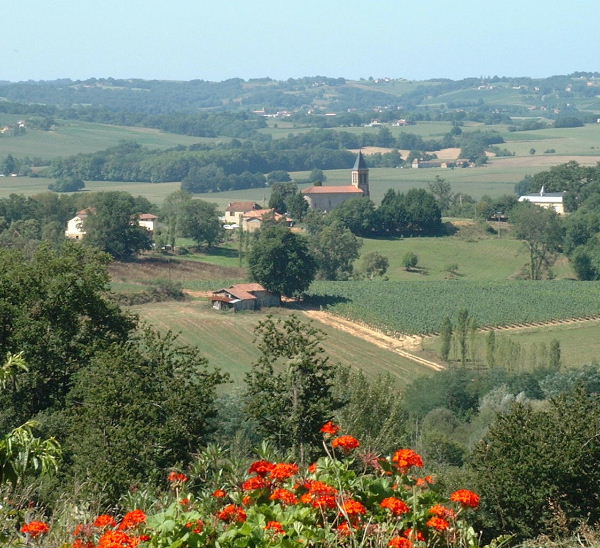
x,y
417,307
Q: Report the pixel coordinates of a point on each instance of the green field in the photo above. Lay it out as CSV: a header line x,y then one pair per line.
x,y
580,141
226,339
484,259
415,307
579,342
73,137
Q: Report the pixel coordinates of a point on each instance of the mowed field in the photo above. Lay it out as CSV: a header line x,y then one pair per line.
x,y
226,339
579,342
484,259
74,136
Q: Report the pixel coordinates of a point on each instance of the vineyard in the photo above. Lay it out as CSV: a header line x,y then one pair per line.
x,y
415,307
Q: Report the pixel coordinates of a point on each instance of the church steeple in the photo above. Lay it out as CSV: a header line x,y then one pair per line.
x,y
360,174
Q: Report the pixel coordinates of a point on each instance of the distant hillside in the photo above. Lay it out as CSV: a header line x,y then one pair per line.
x,y
511,94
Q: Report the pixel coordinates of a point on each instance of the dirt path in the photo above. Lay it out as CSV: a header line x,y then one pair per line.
x,y
398,345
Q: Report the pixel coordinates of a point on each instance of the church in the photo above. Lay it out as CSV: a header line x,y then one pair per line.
x,y
326,198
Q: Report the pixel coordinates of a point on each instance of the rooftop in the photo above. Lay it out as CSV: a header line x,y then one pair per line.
x,y
345,189
242,206
360,162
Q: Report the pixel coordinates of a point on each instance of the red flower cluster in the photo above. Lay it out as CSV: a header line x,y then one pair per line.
x,y
415,535
396,506
131,519
118,539
283,495
400,542
232,513
219,494
261,468
196,526
253,483
275,526
438,523
283,470
330,428
177,477
466,498
405,458
423,482
353,508
319,495
441,511
35,528
105,520
347,443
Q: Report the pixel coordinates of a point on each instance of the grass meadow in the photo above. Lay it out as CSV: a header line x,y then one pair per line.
x,y
226,339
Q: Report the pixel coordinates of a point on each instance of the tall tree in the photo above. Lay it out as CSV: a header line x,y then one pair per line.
x,y
200,221
113,226
335,249
289,389
542,231
280,260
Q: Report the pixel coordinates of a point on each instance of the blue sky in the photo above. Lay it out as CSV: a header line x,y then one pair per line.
x,y
187,39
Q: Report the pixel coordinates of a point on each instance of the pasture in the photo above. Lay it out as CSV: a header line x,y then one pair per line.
x,y
419,308
478,258
74,137
226,339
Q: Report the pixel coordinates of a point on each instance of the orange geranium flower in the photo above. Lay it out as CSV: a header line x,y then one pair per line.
x,y
35,528
312,469
353,508
347,443
117,539
177,477
78,543
285,496
330,428
344,529
275,526
323,501
438,523
395,505
414,535
253,483
261,467
441,511
105,520
231,512
283,470
219,494
196,526
423,482
400,542
131,519
466,498
405,458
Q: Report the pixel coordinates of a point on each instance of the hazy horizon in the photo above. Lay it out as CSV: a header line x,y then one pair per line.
x,y
186,40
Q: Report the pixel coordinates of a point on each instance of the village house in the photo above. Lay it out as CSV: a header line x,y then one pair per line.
x,y
253,220
548,200
236,210
326,198
244,297
75,226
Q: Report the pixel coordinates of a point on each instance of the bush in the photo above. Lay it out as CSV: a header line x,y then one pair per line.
x,y
70,184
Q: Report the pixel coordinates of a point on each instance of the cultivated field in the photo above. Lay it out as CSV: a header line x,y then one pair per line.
x,y
579,342
74,136
226,339
415,307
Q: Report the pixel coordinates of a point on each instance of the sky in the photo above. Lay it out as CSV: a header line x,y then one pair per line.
x,y
216,40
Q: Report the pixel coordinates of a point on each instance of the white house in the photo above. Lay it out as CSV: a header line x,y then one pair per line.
x,y
147,220
548,200
75,226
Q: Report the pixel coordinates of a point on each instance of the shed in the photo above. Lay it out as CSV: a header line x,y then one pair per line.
x,y
250,296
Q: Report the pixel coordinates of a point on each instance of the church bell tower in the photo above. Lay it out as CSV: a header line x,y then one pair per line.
x,y
360,174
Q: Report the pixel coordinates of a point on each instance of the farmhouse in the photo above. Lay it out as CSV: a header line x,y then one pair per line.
x,y
75,226
236,210
326,198
244,297
548,200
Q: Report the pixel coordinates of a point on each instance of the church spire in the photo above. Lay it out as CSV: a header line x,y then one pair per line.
x,y
360,174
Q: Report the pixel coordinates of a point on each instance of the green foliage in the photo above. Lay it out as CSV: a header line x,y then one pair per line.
x,y
289,389
200,221
280,261
136,409
54,309
373,264
335,249
410,260
446,336
537,470
554,355
113,227
69,184
357,214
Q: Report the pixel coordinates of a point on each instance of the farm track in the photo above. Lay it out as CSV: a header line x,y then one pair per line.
x,y
397,345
